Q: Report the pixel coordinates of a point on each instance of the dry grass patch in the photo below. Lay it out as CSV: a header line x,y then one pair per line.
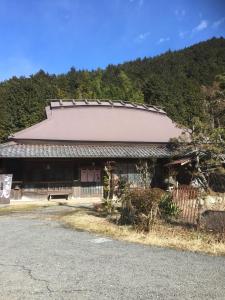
x,y
24,207
163,235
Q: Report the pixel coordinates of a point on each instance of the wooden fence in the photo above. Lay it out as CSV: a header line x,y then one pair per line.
x,y
186,198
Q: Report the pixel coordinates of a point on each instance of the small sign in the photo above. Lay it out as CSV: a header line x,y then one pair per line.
x,y
91,175
5,188
97,175
84,175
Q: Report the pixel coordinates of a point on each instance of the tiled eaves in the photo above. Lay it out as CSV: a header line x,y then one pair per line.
x,y
17,150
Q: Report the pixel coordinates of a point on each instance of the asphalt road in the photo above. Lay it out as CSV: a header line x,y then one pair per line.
x,y
40,259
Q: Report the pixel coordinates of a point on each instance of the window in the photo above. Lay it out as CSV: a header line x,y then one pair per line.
x,y
90,175
128,171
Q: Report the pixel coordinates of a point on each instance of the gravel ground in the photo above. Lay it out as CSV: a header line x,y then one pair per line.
x,y
40,259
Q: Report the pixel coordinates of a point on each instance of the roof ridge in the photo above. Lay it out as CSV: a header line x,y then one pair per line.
x,y
56,103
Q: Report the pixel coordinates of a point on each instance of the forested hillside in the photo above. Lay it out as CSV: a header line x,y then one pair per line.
x,y
186,83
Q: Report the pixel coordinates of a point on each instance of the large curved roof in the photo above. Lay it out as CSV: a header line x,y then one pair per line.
x,y
101,121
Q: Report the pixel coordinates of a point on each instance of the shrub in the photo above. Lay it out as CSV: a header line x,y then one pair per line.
x,y
106,186
122,187
108,206
140,207
168,209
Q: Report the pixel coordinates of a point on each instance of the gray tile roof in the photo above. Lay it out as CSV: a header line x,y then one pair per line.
x,y
16,150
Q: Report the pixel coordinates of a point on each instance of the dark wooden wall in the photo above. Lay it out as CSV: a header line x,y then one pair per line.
x,y
40,177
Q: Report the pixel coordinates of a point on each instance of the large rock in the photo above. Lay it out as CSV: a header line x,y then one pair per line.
x,y
213,202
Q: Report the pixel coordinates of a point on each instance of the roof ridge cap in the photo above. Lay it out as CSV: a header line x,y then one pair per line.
x,y
105,102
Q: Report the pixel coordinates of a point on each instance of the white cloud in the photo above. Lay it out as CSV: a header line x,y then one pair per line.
x,y
218,22
182,34
180,13
139,2
201,26
141,37
162,40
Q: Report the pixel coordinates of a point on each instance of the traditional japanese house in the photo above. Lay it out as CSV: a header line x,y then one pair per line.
x,y
66,153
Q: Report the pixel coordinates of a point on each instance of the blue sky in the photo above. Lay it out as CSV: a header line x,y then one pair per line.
x,y
55,35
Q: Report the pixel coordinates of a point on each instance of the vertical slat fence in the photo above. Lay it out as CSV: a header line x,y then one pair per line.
x,y
186,198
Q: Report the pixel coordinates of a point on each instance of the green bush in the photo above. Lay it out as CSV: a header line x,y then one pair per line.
x,y
122,187
108,206
168,209
140,207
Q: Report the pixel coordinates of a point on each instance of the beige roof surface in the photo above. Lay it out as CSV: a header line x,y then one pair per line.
x,y
102,121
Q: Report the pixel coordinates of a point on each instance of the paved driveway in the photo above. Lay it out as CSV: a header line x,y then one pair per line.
x,y
42,260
